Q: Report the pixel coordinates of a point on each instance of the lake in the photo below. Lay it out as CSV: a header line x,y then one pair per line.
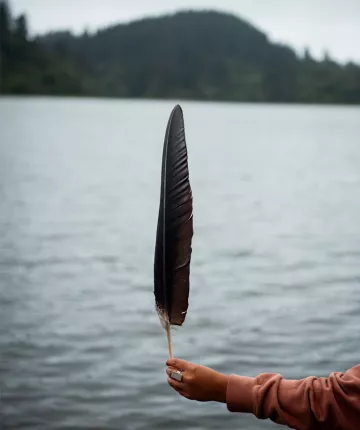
x,y
275,274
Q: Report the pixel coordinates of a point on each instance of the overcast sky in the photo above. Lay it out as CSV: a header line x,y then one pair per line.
x,y
320,24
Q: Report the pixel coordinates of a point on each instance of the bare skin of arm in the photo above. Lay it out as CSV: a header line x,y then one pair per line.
x,y
198,382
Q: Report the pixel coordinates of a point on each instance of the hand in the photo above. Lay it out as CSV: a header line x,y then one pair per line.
x,y
198,382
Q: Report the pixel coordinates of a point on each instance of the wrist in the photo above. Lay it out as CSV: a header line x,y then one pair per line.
x,y
221,388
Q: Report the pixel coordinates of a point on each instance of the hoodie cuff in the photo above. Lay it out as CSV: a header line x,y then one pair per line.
x,y
239,394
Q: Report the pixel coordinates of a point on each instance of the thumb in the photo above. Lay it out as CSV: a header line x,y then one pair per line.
x,y
177,363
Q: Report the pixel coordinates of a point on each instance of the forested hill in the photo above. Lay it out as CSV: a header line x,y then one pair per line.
x,y
192,55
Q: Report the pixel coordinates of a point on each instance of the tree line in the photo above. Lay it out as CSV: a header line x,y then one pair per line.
x,y
188,55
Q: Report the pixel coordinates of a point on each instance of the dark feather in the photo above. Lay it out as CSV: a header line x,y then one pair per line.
x,y
175,227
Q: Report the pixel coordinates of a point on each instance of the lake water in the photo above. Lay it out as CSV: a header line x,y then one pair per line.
x,y
275,274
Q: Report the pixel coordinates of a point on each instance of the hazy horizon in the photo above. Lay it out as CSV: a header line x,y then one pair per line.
x,y
324,26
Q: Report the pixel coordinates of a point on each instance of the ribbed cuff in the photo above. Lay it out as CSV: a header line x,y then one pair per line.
x,y
239,394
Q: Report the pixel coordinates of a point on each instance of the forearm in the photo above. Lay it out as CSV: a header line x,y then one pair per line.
x,y
312,403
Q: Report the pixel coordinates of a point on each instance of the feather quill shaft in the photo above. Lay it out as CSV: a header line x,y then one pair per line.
x,y
174,229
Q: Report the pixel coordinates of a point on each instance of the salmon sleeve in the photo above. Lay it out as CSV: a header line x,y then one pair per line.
x,y
331,403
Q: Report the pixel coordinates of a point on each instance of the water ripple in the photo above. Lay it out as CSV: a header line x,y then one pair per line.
x,y
274,275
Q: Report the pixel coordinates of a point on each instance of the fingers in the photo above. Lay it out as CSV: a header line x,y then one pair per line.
x,y
178,364
176,385
184,394
170,369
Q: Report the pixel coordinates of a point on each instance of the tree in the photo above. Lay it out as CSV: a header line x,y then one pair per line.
x,y
21,28
5,32
217,57
307,54
5,22
327,58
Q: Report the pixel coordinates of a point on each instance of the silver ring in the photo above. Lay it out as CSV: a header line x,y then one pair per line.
x,y
177,375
